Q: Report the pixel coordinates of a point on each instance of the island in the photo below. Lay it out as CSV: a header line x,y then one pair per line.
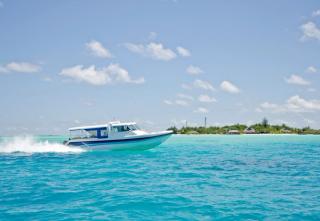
x,y
259,128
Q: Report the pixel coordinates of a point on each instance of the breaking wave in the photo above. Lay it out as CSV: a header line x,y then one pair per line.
x,y
30,145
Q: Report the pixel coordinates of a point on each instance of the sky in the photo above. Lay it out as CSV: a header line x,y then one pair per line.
x,y
159,63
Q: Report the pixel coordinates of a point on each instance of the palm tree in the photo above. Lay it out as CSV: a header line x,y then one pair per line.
x,y
265,122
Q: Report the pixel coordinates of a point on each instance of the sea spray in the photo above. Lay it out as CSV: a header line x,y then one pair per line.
x,y
28,144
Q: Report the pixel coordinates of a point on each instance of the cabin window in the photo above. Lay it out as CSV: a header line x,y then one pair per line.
x,y
92,133
82,134
122,128
104,132
76,134
133,127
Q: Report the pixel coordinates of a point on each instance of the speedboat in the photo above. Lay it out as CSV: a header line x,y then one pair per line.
x,y
115,135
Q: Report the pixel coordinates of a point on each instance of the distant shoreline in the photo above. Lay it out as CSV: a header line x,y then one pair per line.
x,y
249,134
262,128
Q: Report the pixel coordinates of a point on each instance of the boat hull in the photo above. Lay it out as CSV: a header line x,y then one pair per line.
x,y
140,143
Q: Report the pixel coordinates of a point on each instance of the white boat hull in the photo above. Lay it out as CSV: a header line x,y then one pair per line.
x,y
133,143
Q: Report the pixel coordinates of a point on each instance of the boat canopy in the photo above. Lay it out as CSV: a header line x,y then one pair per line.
x,y
88,127
102,130
116,123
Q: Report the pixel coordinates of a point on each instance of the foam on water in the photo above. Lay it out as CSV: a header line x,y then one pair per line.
x,y
29,145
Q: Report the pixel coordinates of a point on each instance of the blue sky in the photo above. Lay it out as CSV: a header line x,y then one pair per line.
x,y
160,63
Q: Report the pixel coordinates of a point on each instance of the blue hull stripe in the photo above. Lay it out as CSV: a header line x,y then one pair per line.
x,y
79,143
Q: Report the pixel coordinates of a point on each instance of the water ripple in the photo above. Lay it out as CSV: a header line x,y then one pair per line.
x,y
187,178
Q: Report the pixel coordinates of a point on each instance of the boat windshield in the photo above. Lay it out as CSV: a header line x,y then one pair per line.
x,y
133,127
124,128
81,134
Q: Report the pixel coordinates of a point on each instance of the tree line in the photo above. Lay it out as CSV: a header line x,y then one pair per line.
x,y
259,128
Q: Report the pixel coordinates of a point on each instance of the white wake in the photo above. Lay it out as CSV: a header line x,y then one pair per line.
x,y
30,145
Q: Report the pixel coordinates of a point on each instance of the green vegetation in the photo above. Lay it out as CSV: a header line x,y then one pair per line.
x,y
260,128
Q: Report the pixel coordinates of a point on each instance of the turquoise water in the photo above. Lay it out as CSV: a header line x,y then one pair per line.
x,y
187,178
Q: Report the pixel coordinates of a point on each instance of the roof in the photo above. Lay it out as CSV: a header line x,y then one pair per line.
x,y
116,123
89,127
121,123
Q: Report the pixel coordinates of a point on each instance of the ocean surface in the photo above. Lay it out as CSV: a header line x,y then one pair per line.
x,y
209,177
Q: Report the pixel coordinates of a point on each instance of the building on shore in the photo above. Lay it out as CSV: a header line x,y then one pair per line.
x,y
233,132
249,130
285,131
192,132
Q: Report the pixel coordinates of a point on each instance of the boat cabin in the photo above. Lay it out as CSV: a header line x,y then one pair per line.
x,y
113,130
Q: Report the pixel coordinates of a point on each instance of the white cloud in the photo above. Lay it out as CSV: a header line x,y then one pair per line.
x,y
201,110
298,104
48,79
316,13
311,69
182,102
183,51
194,70
206,98
1,4
295,79
154,50
22,67
106,75
177,102
229,87
293,104
136,48
90,75
167,102
158,51
185,96
122,74
268,105
97,49
203,85
310,30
